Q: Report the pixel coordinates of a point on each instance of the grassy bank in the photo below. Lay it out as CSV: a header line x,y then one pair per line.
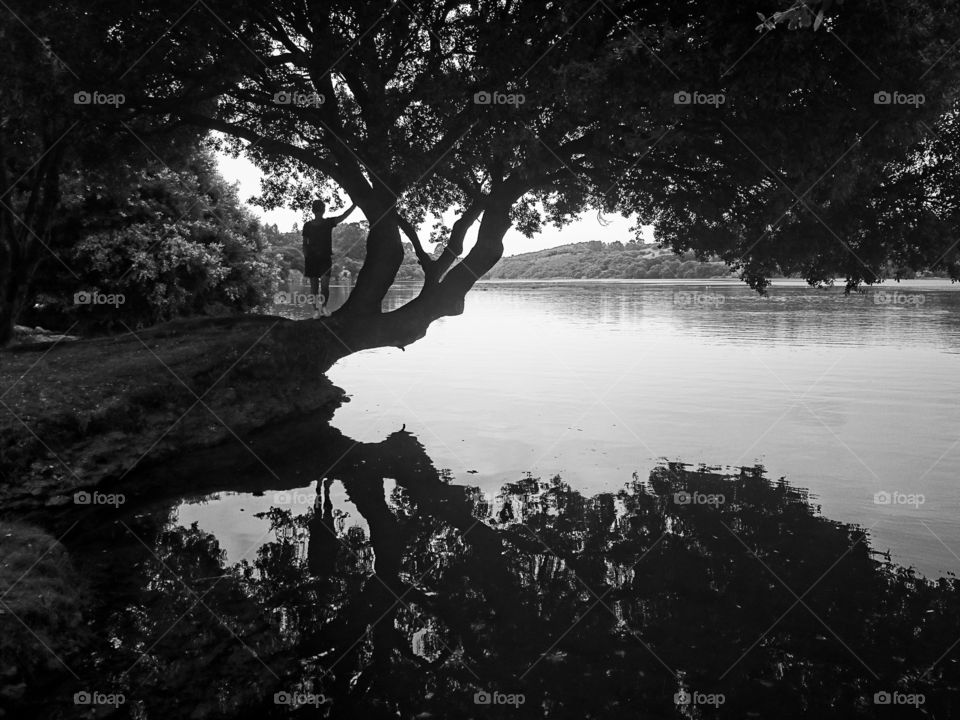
x,y
77,414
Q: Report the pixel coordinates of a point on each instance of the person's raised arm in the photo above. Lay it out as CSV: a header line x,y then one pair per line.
x,y
340,218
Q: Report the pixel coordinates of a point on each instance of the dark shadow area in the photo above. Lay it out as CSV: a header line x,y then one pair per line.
x,y
660,600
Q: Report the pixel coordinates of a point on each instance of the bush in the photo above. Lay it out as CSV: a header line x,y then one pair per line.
x,y
152,246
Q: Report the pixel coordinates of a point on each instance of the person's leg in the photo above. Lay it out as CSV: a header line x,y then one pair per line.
x,y
315,290
325,289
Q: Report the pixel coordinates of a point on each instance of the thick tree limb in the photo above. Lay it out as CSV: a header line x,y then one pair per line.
x,y
455,244
486,252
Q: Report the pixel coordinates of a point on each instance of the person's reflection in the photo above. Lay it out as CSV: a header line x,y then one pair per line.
x,y
322,539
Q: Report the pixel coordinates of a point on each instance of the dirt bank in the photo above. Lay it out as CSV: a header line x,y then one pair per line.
x,y
79,414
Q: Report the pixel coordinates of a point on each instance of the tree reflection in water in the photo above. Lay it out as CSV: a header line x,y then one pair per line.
x,y
590,607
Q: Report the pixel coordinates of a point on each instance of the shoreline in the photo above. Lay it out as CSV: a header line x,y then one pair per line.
x,y
938,283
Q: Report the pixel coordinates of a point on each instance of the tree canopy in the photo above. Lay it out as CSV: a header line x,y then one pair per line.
x,y
806,151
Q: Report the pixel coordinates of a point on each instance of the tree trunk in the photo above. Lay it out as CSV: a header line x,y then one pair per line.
x,y
7,312
383,259
20,233
16,296
17,265
8,317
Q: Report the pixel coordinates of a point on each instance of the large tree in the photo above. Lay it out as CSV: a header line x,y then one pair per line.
x,y
758,143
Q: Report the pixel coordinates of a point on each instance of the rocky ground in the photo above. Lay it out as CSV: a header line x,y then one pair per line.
x,y
23,335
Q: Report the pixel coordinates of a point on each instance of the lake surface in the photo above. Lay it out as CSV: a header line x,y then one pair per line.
x,y
847,396
585,500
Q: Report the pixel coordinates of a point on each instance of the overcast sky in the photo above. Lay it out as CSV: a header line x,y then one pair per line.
x,y
588,227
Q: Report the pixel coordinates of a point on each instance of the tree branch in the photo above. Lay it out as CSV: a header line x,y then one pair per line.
x,y
455,244
305,156
411,232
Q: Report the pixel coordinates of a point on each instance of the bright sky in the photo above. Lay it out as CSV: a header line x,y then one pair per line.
x,y
587,227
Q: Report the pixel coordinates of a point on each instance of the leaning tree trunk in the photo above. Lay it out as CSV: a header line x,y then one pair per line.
x,y
383,260
350,332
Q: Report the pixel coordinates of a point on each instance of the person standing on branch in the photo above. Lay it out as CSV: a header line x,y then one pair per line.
x,y
318,254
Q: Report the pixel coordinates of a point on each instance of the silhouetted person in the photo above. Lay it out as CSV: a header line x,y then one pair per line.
x,y
318,253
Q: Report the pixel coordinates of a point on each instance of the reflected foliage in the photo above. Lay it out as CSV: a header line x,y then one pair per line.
x,y
688,580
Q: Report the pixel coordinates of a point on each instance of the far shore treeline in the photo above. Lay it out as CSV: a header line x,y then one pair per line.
x,y
613,260
623,261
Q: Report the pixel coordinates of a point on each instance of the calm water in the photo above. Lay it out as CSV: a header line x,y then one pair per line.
x,y
846,396
516,518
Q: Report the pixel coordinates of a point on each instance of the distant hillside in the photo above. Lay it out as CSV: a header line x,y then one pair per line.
x,y
588,260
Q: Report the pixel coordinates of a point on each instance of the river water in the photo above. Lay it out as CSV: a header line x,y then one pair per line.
x,y
847,396
576,500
